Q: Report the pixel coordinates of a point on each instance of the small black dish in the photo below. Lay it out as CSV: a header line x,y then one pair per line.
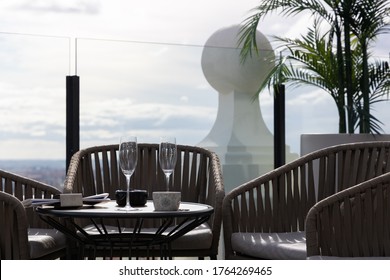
x,y
138,198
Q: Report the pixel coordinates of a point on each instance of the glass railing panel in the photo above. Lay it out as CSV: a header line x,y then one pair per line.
x,y
32,106
147,89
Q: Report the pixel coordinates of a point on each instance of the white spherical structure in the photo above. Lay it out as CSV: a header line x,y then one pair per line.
x,y
221,62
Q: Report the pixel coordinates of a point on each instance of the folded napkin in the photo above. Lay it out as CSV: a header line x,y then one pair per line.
x,y
33,202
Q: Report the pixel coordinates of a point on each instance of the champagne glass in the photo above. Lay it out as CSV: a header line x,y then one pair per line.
x,y
167,156
128,151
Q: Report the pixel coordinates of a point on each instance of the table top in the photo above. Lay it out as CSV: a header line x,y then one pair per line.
x,y
109,209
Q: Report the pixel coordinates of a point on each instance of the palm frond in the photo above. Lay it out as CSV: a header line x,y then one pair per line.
x,y
247,34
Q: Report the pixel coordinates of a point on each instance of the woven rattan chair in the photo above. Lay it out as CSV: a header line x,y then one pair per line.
x,y
353,224
265,217
23,235
197,176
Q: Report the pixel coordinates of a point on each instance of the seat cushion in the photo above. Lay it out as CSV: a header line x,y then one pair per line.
x,y
198,238
273,246
45,241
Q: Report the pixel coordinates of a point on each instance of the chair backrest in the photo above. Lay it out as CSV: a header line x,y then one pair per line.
x,y
352,223
197,175
13,224
23,188
279,200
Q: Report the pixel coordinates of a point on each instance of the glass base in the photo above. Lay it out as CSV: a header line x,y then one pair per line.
x,y
127,208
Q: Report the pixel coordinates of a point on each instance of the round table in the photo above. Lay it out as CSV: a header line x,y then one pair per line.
x,y
134,241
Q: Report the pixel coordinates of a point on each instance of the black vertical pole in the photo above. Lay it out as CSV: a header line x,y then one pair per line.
x,y
72,117
279,126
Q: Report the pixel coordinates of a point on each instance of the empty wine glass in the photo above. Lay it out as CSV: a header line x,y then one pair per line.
x,y
128,151
167,156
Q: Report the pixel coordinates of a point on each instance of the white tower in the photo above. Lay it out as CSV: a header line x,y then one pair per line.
x,y
239,135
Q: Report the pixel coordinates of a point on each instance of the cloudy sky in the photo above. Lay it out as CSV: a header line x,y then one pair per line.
x,y
140,72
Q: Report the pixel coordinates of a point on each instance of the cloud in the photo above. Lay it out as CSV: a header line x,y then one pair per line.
x,y
20,148
58,6
119,116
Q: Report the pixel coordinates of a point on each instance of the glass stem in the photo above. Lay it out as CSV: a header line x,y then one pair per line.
x,y
128,191
167,176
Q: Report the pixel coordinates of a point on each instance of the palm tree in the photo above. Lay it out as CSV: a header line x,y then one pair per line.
x,y
309,61
345,18
312,61
370,21
377,78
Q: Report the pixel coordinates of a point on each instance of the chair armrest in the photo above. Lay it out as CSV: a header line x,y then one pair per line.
x,y
353,222
23,188
13,223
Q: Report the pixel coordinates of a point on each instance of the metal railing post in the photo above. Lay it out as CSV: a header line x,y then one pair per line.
x,y
72,117
279,126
